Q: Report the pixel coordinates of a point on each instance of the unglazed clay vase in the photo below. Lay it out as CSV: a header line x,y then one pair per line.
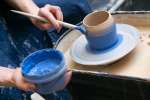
x,y
100,30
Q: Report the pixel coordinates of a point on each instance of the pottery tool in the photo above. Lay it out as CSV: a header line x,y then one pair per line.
x,y
67,25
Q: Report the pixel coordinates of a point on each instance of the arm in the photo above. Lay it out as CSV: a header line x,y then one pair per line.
x,y
24,5
6,76
51,13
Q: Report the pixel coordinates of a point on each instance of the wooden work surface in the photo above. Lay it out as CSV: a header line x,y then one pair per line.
x,y
135,64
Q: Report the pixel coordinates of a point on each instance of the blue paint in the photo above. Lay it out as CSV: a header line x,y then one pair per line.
x,y
43,67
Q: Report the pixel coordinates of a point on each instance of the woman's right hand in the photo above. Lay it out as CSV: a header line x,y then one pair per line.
x,y
52,14
68,76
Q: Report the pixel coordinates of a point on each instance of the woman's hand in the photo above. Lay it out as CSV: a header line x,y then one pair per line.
x,y
68,76
52,14
49,12
20,82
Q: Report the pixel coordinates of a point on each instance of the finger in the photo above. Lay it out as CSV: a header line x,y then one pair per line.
x,y
41,25
32,89
54,22
69,69
32,86
28,87
68,77
50,17
58,14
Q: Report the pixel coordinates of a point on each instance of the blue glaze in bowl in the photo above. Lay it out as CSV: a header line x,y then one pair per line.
x,y
44,67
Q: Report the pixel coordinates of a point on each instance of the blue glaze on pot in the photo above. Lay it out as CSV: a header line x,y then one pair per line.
x,y
108,38
81,29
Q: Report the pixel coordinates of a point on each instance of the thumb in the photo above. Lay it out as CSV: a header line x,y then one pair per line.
x,y
68,76
28,87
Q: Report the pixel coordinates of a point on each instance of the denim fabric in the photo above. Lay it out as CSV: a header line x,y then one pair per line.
x,y
14,47
21,38
8,54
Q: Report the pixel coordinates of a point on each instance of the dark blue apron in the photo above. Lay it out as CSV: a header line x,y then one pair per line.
x,y
21,37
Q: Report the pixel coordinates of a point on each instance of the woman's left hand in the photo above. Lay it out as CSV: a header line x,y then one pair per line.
x,y
20,82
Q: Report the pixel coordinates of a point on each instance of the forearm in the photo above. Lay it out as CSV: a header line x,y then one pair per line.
x,y
6,76
24,5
